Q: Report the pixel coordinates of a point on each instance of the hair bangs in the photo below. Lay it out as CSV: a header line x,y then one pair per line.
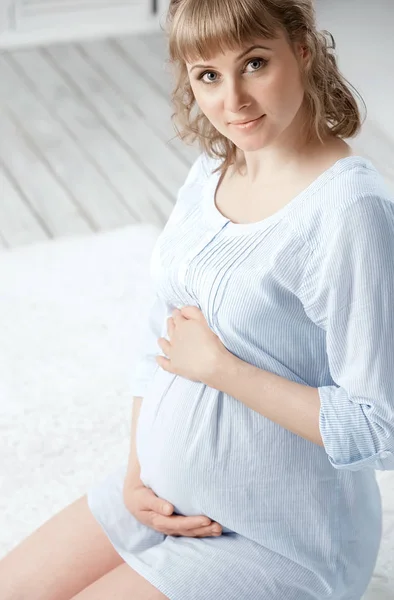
x,y
203,29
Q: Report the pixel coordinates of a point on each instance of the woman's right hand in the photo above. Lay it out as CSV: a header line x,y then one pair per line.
x,y
157,514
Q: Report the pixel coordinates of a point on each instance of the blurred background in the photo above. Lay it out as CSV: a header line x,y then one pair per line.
x,y
86,141
89,173
85,130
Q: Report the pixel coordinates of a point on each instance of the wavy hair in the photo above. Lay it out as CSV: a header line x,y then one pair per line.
x,y
198,29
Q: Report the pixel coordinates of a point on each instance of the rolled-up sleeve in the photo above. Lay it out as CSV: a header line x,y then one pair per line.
x,y
349,292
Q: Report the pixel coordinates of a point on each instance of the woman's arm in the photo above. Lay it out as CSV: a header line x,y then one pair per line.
x,y
348,291
133,468
294,406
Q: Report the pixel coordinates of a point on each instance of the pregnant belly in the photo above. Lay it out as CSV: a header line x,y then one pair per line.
x,y
177,438
202,450
208,454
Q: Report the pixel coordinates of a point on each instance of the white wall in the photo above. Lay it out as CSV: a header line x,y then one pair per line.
x,y
363,30
40,22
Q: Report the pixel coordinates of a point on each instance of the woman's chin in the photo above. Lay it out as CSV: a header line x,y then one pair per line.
x,y
250,145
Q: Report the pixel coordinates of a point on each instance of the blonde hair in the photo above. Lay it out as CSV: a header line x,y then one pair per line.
x,y
198,29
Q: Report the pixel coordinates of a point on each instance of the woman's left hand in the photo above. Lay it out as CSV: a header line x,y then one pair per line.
x,y
193,350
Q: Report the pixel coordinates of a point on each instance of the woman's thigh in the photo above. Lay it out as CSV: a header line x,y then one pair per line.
x,y
64,556
121,584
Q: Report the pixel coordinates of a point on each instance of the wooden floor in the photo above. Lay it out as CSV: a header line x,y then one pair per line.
x,y
86,139
87,143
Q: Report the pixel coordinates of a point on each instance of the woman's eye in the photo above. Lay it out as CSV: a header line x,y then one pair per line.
x,y
211,77
257,63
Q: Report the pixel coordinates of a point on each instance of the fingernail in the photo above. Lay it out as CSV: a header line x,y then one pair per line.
x,y
205,522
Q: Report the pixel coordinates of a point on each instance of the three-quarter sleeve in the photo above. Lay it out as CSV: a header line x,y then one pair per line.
x,y
155,327
146,365
349,292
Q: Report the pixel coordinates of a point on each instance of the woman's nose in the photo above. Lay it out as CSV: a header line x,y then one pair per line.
x,y
235,98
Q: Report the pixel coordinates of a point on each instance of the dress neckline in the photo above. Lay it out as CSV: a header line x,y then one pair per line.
x,y
215,219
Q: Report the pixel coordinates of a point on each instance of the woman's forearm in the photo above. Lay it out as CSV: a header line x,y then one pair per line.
x,y
294,406
133,468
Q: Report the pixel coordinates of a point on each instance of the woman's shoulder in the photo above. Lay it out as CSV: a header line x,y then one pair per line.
x,y
351,186
201,169
358,183
189,194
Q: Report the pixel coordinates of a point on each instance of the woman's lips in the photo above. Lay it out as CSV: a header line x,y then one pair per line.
x,y
249,124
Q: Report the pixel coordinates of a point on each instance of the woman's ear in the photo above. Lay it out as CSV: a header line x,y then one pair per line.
x,y
304,52
303,55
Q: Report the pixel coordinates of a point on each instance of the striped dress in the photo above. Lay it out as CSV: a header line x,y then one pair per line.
x,y
307,294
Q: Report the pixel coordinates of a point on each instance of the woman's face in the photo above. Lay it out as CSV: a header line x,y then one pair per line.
x,y
262,83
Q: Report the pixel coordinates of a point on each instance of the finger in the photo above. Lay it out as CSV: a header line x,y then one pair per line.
x,y
170,326
164,345
210,531
184,524
200,532
192,312
162,507
164,363
176,316
157,505
176,523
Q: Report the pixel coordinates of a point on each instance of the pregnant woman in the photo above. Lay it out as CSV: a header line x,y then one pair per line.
x,y
264,395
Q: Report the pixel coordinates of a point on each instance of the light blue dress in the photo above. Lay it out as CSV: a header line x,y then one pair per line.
x,y
307,294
